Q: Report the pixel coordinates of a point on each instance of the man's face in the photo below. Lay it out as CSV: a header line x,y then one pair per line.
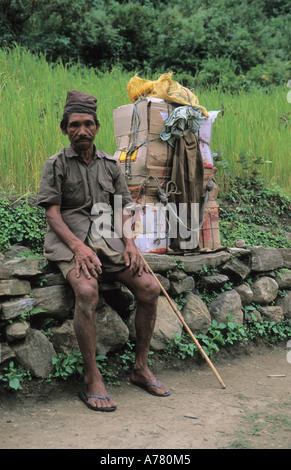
x,y
81,131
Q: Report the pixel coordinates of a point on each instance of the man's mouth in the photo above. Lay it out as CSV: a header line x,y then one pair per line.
x,y
83,139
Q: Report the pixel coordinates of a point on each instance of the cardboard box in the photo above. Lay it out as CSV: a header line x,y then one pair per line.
x,y
138,127
204,133
209,233
151,230
209,178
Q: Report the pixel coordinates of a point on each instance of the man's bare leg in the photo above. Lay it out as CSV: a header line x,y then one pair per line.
x,y
146,290
86,295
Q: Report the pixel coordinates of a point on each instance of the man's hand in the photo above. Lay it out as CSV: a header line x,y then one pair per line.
x,y
133,259
87,261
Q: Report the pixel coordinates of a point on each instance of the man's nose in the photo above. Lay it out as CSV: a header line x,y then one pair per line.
x,y
82,130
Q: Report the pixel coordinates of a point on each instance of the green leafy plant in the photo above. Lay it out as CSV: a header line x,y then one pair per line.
x,y
255,212
207,270
222,334
182,347
228,333
67,365
26,316
221,163
21,223
270,332
251,165
127,358
13,376
281,271
128,355
47,325
181,300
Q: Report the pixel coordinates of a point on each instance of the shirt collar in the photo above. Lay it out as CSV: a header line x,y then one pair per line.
x,y
70,152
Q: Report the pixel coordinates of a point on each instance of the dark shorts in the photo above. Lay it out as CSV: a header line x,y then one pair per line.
x,y
111,259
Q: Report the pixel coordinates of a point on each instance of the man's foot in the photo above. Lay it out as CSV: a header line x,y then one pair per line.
x,y
147,381
96,398
85,398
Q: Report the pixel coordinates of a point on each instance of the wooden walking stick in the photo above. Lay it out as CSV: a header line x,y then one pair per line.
x,y
185,325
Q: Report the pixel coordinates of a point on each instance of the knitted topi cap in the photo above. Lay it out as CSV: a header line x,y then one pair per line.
x,y
79,102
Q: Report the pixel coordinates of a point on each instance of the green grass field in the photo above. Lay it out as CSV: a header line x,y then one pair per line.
x,y
255,124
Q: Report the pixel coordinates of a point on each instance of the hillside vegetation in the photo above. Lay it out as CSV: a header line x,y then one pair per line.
x,y
233,55
230,43
253,194
251,134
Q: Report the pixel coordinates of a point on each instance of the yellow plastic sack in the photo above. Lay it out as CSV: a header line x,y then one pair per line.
x,y
164,88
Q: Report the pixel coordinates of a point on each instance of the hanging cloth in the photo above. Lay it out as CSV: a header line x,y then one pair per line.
x,y
188,173
182,118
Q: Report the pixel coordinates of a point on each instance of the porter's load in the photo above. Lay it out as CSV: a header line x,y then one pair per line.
x,y
142,131
149,132
164,88
140,150
210,185
204,135
209,233
151,229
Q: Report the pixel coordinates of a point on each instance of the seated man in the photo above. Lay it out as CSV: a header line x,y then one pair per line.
x,y
73,181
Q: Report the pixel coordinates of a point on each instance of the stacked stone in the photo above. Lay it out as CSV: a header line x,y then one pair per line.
x,y
31,290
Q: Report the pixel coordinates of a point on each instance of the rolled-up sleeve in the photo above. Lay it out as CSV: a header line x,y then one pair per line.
x,y
50,190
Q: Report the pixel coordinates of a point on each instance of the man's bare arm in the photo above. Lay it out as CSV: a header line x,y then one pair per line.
x,y
131,254
85,258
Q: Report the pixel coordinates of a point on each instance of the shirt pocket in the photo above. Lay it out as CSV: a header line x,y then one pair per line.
x,y
73,193
107,189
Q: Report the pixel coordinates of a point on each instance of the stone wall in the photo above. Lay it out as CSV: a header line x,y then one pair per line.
x,y
33,291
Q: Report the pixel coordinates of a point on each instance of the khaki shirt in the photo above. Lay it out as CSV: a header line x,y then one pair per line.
x,y
67,181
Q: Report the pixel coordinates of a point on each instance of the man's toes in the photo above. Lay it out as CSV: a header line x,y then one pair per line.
x,y
160,391
97,403
112,404
107,403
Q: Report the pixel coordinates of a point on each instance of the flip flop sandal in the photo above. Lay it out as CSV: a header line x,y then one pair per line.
x,y
146,386
85,398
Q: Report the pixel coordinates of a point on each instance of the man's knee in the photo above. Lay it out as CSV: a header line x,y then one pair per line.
x,y
149,291
87,297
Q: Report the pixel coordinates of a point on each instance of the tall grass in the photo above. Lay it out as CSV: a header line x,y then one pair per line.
x,y
257,125
33,94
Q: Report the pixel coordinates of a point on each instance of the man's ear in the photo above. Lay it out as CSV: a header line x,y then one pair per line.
x,y
63,131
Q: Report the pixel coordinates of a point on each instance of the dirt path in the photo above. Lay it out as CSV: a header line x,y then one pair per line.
x,y
252,412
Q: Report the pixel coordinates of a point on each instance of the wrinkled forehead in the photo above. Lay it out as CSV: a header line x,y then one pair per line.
x,y
80,118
